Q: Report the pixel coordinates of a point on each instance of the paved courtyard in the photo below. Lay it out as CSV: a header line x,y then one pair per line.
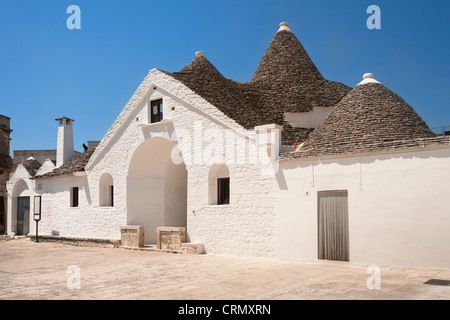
x,y
30,270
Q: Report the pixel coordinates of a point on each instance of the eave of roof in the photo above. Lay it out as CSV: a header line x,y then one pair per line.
x,y
418,144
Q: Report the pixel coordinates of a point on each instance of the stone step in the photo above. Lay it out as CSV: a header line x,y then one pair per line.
x,y
186,248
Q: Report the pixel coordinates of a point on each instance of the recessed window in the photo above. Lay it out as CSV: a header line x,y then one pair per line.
x,y
223,191
74,197
106,190
111,195
156,110
219,185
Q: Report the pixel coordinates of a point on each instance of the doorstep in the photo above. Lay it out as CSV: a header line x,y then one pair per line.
x,y
186,248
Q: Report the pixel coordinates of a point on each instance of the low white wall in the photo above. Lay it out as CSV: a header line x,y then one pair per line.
x,y
245,227
175,196
88,220
398,207
146,205
309,119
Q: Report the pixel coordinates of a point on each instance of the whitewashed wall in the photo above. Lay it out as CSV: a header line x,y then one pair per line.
x,y
88,220
19,185
244,227
398,207
309,119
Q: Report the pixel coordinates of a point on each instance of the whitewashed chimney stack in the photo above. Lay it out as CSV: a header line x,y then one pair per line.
x,y
64,149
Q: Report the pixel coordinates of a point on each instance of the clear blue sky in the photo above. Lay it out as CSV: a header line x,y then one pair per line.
x,y
48,71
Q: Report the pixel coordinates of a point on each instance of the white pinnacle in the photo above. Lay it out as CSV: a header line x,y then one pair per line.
x,y
200,54
284,26
368,78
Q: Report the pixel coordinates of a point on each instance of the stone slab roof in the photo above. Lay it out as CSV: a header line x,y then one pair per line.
x,y
287,77
293,135
32,166
77,164
370,118
286,80
381,146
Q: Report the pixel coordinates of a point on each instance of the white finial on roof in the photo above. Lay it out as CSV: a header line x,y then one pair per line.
x,y
368,78
284,26
200,54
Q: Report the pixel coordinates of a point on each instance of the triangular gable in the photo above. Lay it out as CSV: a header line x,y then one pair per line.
x,y
20,172
46,167
169,86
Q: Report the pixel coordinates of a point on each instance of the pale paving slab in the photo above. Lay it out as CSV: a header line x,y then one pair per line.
x,y
31,270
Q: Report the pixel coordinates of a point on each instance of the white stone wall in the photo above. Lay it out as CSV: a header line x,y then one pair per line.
x,y
88,220
19,185
309,120
398,207
245,227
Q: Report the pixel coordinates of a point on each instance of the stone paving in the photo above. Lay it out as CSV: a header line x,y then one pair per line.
x,y
30,270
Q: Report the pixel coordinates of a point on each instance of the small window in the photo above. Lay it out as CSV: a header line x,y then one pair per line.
x,y
74,197
111,195
156,111
106,191
219,185
223,191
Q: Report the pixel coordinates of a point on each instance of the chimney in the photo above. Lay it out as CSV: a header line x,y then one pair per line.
x,y
64,149
5,133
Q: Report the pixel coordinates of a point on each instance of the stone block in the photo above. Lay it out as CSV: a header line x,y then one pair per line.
x,y
170,238
193,248
132,236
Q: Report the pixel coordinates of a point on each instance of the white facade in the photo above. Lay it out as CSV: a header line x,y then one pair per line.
x,y
398,202
19,185
398,207
152,191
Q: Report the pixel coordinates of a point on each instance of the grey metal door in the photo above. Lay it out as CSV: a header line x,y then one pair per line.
x,y
23,215
333,225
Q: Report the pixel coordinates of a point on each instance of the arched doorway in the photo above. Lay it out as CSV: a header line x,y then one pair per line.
x,y
156,188
21,208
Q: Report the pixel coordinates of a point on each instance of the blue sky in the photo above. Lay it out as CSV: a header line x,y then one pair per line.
x,y
48,71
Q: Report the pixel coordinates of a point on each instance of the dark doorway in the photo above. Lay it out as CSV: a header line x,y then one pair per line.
x,y
2,214
23,215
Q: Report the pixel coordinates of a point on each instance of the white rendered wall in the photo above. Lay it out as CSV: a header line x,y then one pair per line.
x,y
398,207
175,196
244,227
88,220
309,119
19,185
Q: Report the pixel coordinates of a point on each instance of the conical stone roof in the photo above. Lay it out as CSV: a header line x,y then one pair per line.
x,y
287,77
238,100
371,117
287,60
286,80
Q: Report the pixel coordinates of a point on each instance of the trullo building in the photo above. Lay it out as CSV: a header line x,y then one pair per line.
x,y
289,165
